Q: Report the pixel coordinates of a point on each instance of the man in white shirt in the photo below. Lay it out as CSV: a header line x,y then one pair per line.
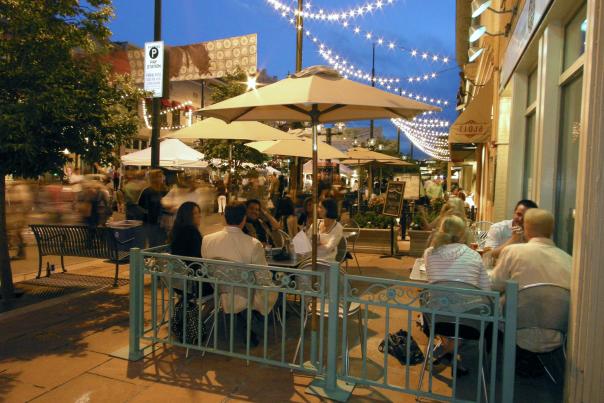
x,y
537,261
233,245
508,232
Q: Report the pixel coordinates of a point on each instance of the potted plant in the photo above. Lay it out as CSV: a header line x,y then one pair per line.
x,y
374,236
418,231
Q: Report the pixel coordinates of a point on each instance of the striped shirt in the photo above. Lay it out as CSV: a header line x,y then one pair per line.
x,y
456,262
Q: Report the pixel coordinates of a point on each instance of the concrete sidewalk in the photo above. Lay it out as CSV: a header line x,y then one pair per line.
x,y
60,352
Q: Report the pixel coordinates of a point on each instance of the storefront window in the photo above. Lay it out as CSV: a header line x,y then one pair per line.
x,y
529,151
574,37
568,154
531,94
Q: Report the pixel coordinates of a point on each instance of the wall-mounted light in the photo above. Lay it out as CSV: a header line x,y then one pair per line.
x,y
251,82
480,6
476,31
474,52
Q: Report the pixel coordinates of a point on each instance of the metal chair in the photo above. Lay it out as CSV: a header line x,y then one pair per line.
x,y
352,231
342,250
544,306
445,325
280,238
353,309
481,229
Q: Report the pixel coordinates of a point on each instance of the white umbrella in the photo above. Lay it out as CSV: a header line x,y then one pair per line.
x,y
217,129
296,148
173,152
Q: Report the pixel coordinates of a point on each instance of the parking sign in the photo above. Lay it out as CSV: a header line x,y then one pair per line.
x,y
154,68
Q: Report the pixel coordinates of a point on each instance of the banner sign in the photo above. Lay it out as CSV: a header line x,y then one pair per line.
x,y
154,68
213,59
470,131
393,204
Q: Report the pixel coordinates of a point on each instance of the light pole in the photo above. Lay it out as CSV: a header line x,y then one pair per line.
x,y
372,84
156,101
299,36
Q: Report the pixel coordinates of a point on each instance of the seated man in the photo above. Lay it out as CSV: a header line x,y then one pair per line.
x,y
508,232
259,223
537,261
233,245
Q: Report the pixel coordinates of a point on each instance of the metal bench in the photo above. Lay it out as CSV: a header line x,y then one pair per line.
x,y
79,241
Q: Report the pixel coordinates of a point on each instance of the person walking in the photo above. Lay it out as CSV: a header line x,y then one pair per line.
x,y
221,192
150,203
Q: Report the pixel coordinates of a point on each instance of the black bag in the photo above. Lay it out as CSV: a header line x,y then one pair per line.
x,y
397,347
192,326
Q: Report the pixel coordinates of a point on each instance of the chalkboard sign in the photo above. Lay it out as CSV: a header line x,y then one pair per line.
x,y
394,199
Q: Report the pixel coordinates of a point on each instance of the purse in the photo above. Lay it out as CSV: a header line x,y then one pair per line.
x,y
192,325
397,347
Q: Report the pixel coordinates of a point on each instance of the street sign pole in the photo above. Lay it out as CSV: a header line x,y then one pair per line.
x,y
156,100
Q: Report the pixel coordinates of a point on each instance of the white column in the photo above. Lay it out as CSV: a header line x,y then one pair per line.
x,y
585,369
516,144
547,130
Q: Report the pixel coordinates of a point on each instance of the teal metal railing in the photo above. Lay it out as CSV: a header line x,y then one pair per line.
x,y
379,306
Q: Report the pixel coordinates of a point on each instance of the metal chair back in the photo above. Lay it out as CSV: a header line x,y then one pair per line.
x,y
457,302
543,306
342,249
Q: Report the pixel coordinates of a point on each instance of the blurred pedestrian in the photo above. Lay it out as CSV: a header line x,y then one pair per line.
x,y
221,192
150,203
18,206
132,190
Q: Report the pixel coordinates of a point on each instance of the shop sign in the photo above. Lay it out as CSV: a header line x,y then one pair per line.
x,y
154,68
470,131
393,204
528,22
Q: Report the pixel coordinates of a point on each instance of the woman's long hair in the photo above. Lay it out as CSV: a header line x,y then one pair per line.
x,y
184,216
452,230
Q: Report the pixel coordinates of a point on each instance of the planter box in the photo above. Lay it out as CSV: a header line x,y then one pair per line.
x,y
419,242
377,241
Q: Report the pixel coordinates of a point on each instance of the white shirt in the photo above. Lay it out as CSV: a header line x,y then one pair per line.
x,y
498,234
537,261
456,262
328,241
233,245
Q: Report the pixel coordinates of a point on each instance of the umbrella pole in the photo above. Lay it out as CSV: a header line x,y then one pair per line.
x,y
314,115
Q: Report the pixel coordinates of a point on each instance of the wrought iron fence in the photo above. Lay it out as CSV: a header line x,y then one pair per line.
x,y
378,307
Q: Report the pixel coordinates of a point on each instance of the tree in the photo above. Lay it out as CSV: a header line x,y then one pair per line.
x,y
57,93
233,84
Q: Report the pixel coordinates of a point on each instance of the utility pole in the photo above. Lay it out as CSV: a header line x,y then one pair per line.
x,y
398,130
295,167
156,101
372,84
299,35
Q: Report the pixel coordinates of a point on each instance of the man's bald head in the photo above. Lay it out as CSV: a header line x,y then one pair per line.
x,y
538,223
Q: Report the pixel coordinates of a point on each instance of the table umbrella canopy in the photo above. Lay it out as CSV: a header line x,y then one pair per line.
x,y
300,147
337,99
217,129
173,153
362,156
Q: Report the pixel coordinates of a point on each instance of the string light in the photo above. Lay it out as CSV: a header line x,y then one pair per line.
x,y
188,114
333,16
349,70
434,143
343,19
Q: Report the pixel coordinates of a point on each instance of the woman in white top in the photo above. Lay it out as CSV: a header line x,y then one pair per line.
x,y
330,231
449,258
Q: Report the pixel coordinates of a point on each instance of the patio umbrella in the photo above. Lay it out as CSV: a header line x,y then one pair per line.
x,y
316,94
217,129
364,156
173,152
300,147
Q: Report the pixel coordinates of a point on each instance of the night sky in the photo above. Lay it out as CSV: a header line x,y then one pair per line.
x,y
425,25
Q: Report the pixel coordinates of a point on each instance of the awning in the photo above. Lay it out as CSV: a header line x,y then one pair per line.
x,y
474,123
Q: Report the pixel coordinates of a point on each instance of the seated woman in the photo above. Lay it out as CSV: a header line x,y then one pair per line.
x,y
305,218
330,230
286,217
449,259
453,207
185,238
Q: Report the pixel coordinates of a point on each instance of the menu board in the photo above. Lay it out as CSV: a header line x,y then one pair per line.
x,y
394,199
